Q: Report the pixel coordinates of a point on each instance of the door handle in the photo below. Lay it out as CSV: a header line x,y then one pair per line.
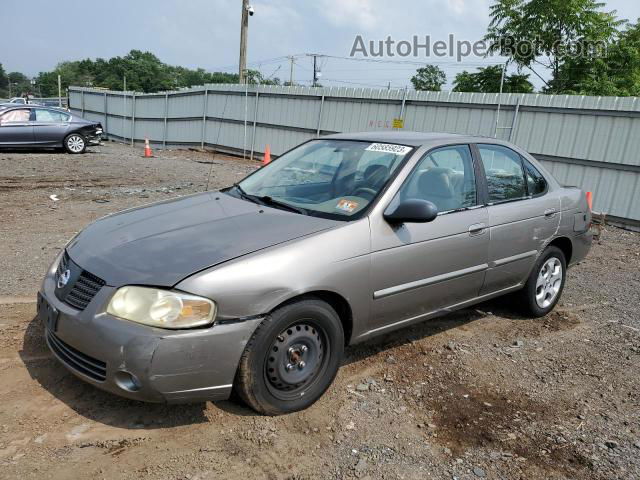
x,y
477,229
550,212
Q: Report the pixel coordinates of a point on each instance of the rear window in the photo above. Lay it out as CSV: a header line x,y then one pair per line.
x,y
536,184
43,115
503,169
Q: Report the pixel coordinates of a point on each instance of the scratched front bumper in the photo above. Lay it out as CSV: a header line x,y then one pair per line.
x,y
172,366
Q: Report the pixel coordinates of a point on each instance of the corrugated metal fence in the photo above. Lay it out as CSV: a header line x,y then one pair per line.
x,y
592,142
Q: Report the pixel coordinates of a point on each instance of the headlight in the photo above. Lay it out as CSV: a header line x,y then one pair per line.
x,y
161,308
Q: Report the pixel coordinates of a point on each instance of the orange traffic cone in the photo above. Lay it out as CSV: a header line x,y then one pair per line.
x,y
590,200
267,155
147,149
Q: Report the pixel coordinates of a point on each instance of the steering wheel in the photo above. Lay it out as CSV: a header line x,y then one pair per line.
x,y
370,191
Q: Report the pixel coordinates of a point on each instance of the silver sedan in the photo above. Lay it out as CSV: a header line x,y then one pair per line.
x,y
259,287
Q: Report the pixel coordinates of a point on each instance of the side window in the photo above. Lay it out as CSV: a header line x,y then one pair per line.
x,y
503,169
15,116
43,115
536,184
445,177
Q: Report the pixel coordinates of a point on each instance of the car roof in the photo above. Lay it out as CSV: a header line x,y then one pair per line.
x,y
413,139
22,106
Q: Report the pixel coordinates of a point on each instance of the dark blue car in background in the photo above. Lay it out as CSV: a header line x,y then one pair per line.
x,y
36,126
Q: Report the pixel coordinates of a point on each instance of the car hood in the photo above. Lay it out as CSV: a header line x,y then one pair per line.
x,y
161,244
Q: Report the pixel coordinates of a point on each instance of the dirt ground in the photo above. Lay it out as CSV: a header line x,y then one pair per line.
x,y
481,393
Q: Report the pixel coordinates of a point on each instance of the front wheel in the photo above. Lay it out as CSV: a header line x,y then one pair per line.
x,y
545,283
292,358
75,143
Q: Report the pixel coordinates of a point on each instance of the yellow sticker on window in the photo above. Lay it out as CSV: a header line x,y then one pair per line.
x,y
347,205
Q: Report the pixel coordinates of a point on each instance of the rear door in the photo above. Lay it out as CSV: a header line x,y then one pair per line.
x,y
420,268
50,126
15,127
523,215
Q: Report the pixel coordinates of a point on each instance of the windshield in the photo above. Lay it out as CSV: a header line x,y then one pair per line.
x,y
328,178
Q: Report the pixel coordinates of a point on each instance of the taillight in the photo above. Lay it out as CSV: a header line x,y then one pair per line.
x,y
590,200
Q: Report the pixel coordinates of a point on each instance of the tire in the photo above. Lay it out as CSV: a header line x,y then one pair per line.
x,y
75,143
545,283
291,359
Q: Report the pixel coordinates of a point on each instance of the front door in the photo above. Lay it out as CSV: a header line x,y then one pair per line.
x,y
422,268
523,216
15,128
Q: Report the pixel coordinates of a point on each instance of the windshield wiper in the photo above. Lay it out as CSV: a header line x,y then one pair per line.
x,y
267,200
245,195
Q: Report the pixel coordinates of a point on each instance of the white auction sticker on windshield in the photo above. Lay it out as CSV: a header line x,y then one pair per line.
x,y
388,148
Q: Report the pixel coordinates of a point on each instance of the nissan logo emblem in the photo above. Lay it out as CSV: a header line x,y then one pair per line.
x,y
63,279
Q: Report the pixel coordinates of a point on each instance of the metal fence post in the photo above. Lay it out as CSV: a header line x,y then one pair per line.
x,y
124,115
82,103
133,116
514,124
320,116
404,102
166,118
204,116
106,115
255,122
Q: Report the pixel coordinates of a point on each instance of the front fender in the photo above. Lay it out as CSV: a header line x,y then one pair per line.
x,y
337,261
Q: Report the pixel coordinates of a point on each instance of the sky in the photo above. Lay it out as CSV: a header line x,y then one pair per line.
x,y
205,33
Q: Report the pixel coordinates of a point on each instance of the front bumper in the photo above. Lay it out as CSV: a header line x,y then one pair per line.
x,y
173,366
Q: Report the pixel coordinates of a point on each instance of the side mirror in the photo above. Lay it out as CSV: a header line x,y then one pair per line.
x,y
412,210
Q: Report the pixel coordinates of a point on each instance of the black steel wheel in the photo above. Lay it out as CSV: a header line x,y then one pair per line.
x,y
292,358
296,357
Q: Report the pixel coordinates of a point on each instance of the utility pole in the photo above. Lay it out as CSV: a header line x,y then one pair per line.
x,y
316,73
315,70
292,60
244,27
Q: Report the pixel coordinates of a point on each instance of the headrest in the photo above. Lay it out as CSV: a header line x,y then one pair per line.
x,y
436,182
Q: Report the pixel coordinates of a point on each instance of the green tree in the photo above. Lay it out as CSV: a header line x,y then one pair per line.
x,y
548,33
143,70
256,77
430,77
487,80
17,77
20,83
616,73
4,81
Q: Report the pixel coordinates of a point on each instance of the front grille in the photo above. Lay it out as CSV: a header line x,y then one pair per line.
x,y
83,290
89,366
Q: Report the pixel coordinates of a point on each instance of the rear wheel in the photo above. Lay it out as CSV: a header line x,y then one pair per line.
x,y
292,358
545,283
75,143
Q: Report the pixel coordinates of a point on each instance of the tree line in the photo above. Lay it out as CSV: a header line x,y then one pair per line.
x,y
144,72
572,46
